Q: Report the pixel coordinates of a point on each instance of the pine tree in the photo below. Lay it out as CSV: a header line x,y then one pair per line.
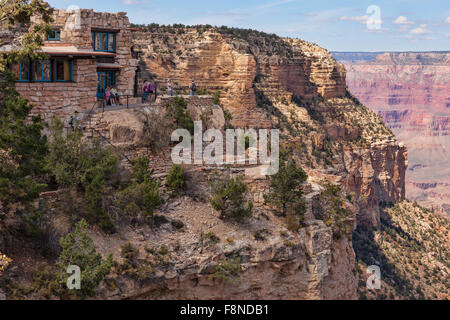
x,y
23,146
78,249
286,191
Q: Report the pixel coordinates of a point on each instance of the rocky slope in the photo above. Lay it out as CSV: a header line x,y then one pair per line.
x,y
411,92
412,249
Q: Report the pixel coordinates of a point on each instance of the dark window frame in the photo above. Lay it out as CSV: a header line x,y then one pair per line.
x,y
104,47
55,73
42,70
53,70
23,65
56,36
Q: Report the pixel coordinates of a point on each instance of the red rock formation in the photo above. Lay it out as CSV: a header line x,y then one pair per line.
x,y
402,81
411,92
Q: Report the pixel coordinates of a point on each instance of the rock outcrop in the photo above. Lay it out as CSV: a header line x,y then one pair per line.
x,y
310,264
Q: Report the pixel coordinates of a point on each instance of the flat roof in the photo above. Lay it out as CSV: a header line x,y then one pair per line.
x,y
72,50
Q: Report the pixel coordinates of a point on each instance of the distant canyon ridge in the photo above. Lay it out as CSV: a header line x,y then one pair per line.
x,y
411,92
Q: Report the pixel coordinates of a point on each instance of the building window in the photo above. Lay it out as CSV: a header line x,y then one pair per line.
x,y
54,35
63,70
53,70
42,70
22,71
104,41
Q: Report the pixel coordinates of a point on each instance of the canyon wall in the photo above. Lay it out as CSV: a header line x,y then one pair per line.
x,y
263,78
411,91
265,82
244,68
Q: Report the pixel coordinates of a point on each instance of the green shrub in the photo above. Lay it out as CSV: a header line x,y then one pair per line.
x,y
131,266
82,165
142,194
228,117
229,198
334,213
216,99
176,178
22,148
140,169
78,249
228,270
177,109
209,238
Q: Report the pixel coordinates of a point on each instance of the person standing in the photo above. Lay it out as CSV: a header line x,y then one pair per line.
x,y
75,120
115,95
145,91
170,87
193,88
152,90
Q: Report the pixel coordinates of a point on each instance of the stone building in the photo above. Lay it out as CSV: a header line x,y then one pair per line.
x,y
87,51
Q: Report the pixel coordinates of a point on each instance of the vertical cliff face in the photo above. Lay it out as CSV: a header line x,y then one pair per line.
x,y
376,175
310,266
411,92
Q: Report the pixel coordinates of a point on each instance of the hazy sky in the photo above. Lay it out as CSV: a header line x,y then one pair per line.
x,y
340,25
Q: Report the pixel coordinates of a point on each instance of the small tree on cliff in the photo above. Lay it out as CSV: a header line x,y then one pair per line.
x,y
286,192
78,249
177,109
23,146
229,197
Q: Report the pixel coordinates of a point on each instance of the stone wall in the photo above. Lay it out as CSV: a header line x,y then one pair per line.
x,y
61,99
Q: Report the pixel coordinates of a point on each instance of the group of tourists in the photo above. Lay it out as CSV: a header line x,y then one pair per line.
x,y
112,96
149,90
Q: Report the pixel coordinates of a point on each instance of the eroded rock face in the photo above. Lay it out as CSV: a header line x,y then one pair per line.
x,y
377,177
264,81
245,71
254,72
310,264
402,81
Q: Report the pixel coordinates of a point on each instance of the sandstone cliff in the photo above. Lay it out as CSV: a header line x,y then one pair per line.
x,y
244,66
264,81
267,81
